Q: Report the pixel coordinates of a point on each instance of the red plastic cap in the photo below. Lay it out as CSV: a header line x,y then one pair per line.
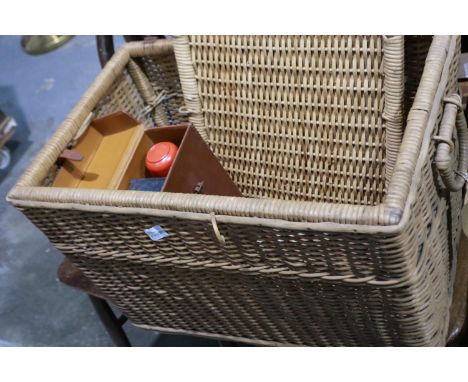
x,y
160,157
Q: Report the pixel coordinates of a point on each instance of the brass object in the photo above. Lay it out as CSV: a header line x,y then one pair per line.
x,y
44,43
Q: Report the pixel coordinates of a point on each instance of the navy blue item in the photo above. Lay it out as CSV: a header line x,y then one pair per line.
x,y
146,184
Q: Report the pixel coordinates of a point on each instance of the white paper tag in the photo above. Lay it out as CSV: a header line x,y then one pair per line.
x,y
156,233
465,68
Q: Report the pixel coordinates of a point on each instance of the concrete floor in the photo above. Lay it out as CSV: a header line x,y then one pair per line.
x,y
35,308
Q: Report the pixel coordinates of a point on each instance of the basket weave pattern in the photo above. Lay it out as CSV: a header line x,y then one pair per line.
x,y
287,289
307,110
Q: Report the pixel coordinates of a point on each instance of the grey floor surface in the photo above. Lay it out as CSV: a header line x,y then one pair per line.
x,y
35,308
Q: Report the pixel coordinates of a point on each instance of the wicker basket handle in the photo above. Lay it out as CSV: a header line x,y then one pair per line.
x,y
453,117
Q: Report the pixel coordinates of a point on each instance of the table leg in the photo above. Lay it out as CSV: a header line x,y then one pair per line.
x,y
111,323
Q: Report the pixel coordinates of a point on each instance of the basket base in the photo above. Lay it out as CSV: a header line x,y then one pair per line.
x,y
211,336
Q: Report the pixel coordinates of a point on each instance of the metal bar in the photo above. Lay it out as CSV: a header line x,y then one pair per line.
x,y
105,48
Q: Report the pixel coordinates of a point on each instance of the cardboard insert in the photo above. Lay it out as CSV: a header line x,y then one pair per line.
x,y
195,168
107,146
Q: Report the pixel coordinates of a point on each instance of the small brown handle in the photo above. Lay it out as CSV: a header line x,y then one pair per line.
x,y
453,117
71,155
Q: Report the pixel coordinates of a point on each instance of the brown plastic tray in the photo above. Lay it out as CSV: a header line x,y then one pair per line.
x,y
195,168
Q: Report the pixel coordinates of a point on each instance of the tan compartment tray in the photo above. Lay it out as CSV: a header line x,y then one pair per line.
x,y
106,146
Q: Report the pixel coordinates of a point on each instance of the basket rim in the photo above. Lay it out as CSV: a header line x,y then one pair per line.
x,y
389,216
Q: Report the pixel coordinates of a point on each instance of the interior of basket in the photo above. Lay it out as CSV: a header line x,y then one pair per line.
x,y
327,150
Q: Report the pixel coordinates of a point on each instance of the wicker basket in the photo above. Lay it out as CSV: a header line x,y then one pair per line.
x,y
348,230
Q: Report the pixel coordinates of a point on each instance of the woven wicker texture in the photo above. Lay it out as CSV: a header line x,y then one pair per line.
x,y
274,285
300,118
374,270
455,199
128,95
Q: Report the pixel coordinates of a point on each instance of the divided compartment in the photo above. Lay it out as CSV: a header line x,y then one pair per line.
x,y
195,166
114,149
106,146
136,168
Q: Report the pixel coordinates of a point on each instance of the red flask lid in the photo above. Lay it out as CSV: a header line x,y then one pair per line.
x,y
160,158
